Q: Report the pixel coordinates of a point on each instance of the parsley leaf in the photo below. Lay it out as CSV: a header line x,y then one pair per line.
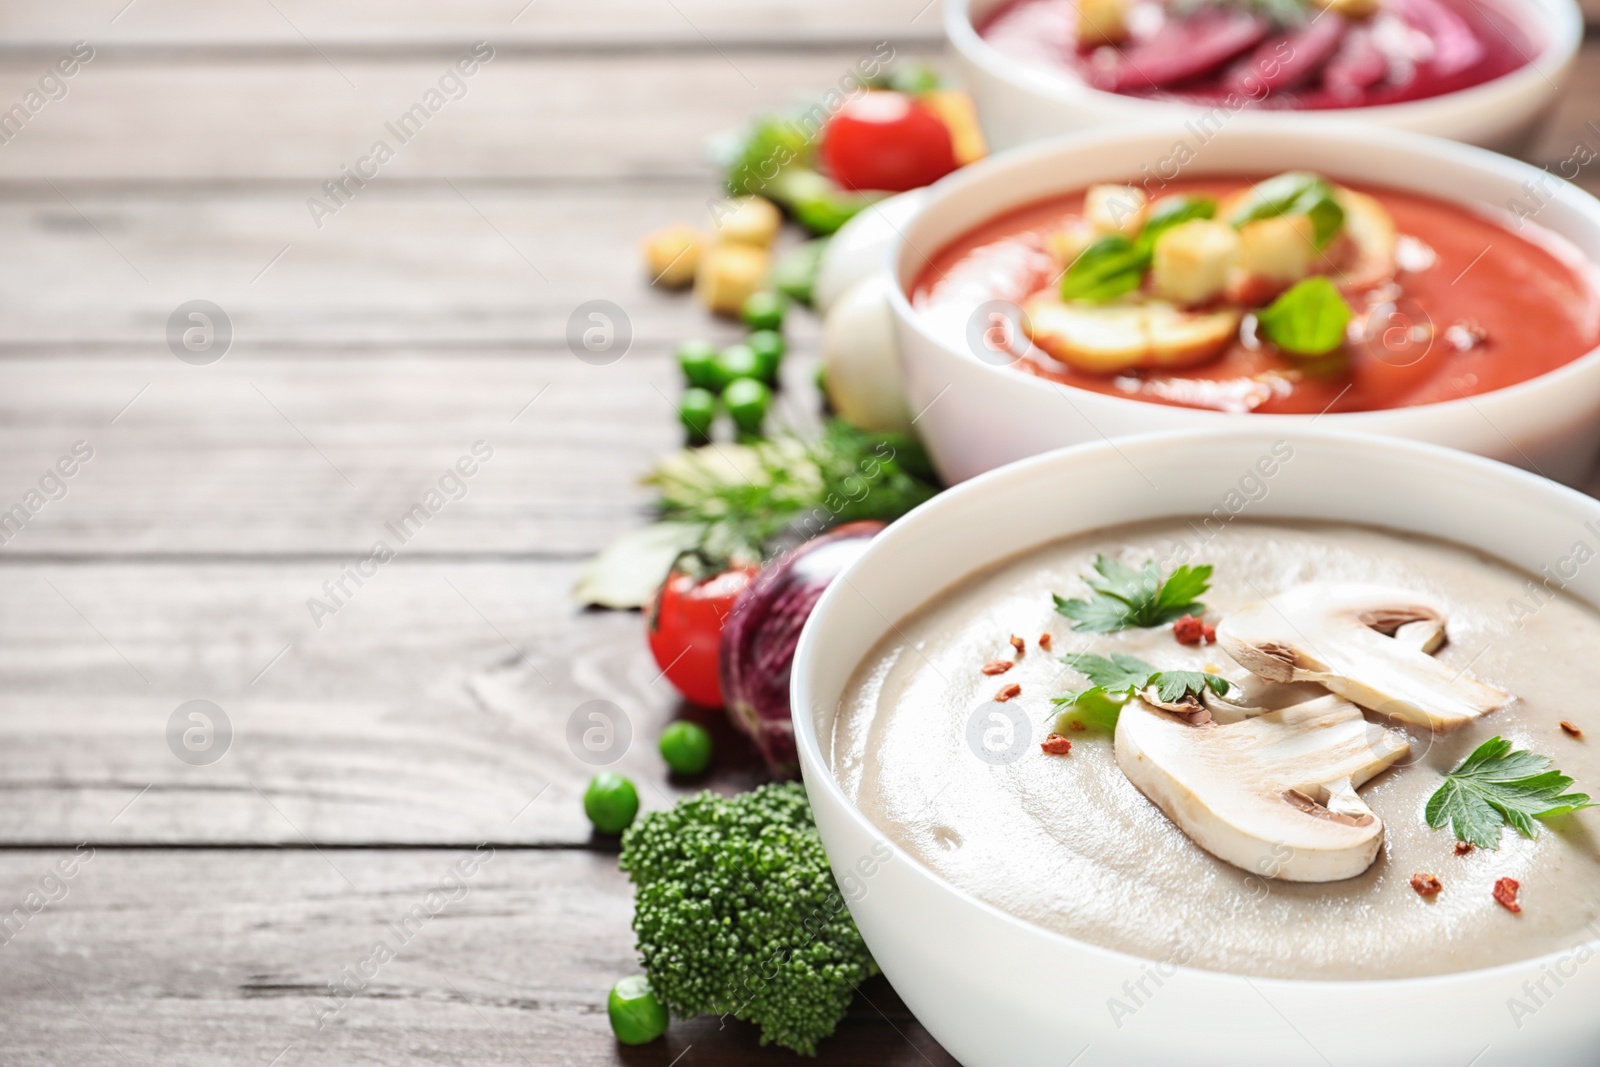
x,y
1495,786
1119,678
1119,671
1125,598
1173,686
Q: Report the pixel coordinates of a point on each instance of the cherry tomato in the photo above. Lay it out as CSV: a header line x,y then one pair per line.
x,y
887,140
685,622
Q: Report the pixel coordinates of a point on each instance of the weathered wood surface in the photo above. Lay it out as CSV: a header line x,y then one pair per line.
x,y
432,708
411,26
226,957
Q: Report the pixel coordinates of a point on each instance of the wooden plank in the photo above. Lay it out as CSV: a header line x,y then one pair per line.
x,y
263,454
345,28
570,116
400,269
433,705
226,958
256,455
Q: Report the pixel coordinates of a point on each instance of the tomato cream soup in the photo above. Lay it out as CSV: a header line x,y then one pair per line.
x,y
1283,294
1070,841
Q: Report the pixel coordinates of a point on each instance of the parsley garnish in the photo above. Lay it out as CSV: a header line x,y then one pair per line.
x,y
1125,597
1119,677
1495,786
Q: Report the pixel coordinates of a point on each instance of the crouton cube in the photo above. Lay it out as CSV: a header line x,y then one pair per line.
x,y
728,274
1281,250
1068,243
1102,22
1116,208
671,255
747,220
1351,9
1192,261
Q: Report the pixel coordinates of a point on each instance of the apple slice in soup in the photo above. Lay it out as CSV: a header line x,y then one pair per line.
x,y
1107,338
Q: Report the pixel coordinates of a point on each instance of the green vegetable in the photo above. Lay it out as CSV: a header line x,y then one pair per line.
x,y
697,360
770,145
1169,212
1118,678
794,274
736,912
747,401
769,348
736,361
686,747
815,201
1110,267
1294,193
1125,598
1496,786
763,310
743,498
1308,320
909,78
697,410
611,802
637,1017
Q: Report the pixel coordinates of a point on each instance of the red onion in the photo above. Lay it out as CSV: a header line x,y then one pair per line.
x,y
762,630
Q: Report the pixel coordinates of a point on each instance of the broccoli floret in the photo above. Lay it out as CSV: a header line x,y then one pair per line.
x,y
737,913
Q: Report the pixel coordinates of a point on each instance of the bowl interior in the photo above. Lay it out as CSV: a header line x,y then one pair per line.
x,y
1555,27
1519,518
1155,155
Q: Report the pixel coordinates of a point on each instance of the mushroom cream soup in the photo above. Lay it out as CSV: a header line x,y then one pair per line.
x,y
1291,842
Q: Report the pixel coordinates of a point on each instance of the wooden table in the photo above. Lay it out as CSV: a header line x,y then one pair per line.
x,y
215,909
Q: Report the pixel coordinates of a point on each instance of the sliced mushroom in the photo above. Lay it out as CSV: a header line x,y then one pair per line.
x,y
1368,643
1274,794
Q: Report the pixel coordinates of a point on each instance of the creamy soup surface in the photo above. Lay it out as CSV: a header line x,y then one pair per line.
x,y
1069,843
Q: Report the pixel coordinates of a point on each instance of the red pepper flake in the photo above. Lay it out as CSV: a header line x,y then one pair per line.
x,y
1056,745
1044,642
1464,847
1189,630
1007,692
1505,894
999,666
1076,725
1426,885
1019,644
1571,730
1208,633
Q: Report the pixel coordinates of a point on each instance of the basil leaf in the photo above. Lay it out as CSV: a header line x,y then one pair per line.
x,y
1294,193
1308,320
1110,267
1169,212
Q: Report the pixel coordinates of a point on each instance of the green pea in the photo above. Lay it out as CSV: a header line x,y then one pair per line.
x,y
747,401
769,349
736,361
686,747
697,410
697,360
611,802
637,1017
764,310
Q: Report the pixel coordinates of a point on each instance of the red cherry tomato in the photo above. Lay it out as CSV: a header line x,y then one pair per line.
x,y
887,140
685,622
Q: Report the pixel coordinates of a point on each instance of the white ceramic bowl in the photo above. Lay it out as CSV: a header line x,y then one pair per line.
x,y
1018,103
1001,992
976,415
